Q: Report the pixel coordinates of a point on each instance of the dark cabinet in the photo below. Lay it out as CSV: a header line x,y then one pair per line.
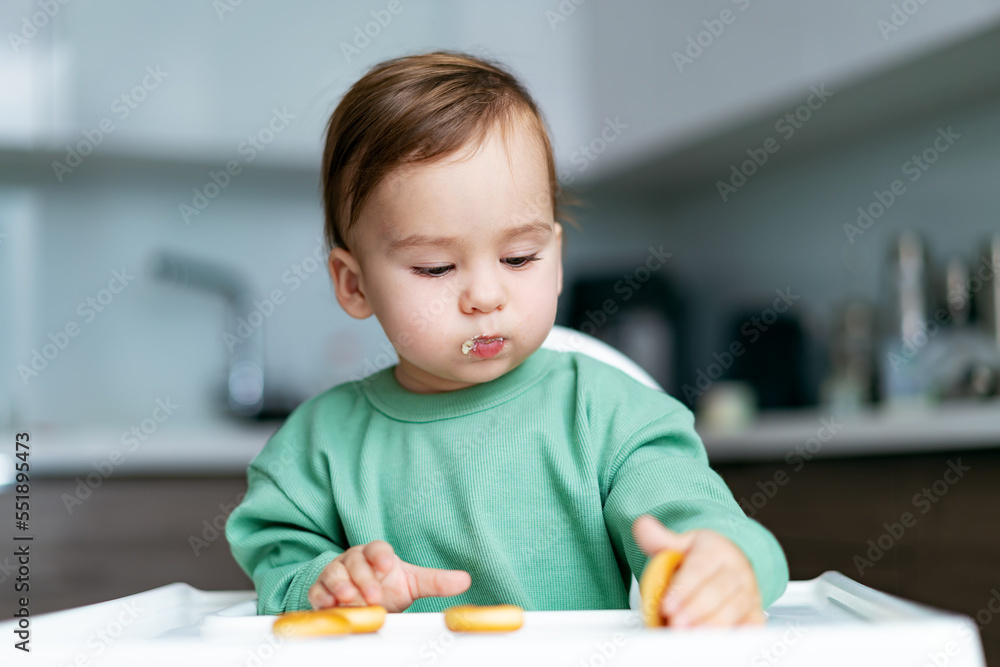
x,y
924,527
128,535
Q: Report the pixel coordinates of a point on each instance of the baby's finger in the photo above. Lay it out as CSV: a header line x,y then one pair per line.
x,y
381,556
691,576
319,597
729,614
337,581
712,597
755,616
433,582
651,536
363,576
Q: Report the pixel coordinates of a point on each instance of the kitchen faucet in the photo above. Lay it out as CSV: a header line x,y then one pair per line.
x,y
245,383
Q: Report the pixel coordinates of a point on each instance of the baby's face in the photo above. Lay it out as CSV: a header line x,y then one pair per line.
x,y
456,250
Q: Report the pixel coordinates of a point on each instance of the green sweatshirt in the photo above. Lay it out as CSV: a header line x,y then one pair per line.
x,y
529,482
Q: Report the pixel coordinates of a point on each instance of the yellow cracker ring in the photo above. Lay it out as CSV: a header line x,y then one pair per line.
x,y
295,624
653,584
362,619
490,618
330,621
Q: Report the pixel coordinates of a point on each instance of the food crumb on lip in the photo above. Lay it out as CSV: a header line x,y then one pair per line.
x,y
471,343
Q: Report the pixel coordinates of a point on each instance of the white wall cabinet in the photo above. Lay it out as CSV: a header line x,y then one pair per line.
x,y
715,64
618,82
232,80
223,80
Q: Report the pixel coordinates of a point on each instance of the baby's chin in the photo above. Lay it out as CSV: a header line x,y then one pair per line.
x,y
436,378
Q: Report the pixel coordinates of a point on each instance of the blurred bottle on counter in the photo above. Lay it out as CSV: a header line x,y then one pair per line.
x,y
852,383
909,329
967,363
940,339
984,285
988,299
728,406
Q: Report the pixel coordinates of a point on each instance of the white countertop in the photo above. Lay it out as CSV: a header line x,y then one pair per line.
x,y
227,448
175,449
817,434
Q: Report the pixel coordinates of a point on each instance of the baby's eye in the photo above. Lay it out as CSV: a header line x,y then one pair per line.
x,y
432,271
439,271
522,261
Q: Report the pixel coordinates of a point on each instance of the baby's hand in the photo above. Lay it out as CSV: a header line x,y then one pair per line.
x,y
373,574
714,584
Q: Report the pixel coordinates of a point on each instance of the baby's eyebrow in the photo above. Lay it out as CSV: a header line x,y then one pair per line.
x,y
428,241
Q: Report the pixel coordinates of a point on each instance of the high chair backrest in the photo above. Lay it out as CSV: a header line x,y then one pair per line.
x,y
565,339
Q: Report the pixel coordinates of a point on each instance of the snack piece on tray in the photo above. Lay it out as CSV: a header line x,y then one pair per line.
x,y
489,618
330,621
319,623
653,583
362,619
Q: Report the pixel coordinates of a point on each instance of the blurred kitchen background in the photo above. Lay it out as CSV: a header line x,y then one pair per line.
x,y
790,221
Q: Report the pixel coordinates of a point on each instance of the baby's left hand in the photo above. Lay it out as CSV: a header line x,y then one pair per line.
x,y
714,584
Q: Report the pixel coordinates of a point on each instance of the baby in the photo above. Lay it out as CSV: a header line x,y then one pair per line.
x,y
482,468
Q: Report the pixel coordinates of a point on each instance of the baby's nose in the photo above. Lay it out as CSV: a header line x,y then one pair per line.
x,y
485,294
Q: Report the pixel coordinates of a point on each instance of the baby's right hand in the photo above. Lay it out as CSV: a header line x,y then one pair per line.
x,y
373,574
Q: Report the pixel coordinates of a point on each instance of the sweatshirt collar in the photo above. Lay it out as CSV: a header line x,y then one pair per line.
x,y
389,397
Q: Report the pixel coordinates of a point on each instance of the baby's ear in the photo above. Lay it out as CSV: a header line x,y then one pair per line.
x,y
348,283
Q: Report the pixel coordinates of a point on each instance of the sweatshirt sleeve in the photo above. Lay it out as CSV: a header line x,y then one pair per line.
x,y
286,529
655,463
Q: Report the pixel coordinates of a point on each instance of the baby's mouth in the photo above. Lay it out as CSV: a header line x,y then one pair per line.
x,y
470,344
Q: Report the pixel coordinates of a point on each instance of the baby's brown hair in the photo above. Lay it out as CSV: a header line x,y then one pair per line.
x,y
420,108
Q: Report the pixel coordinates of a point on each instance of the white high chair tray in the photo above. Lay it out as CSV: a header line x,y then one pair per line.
x,y
829,620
